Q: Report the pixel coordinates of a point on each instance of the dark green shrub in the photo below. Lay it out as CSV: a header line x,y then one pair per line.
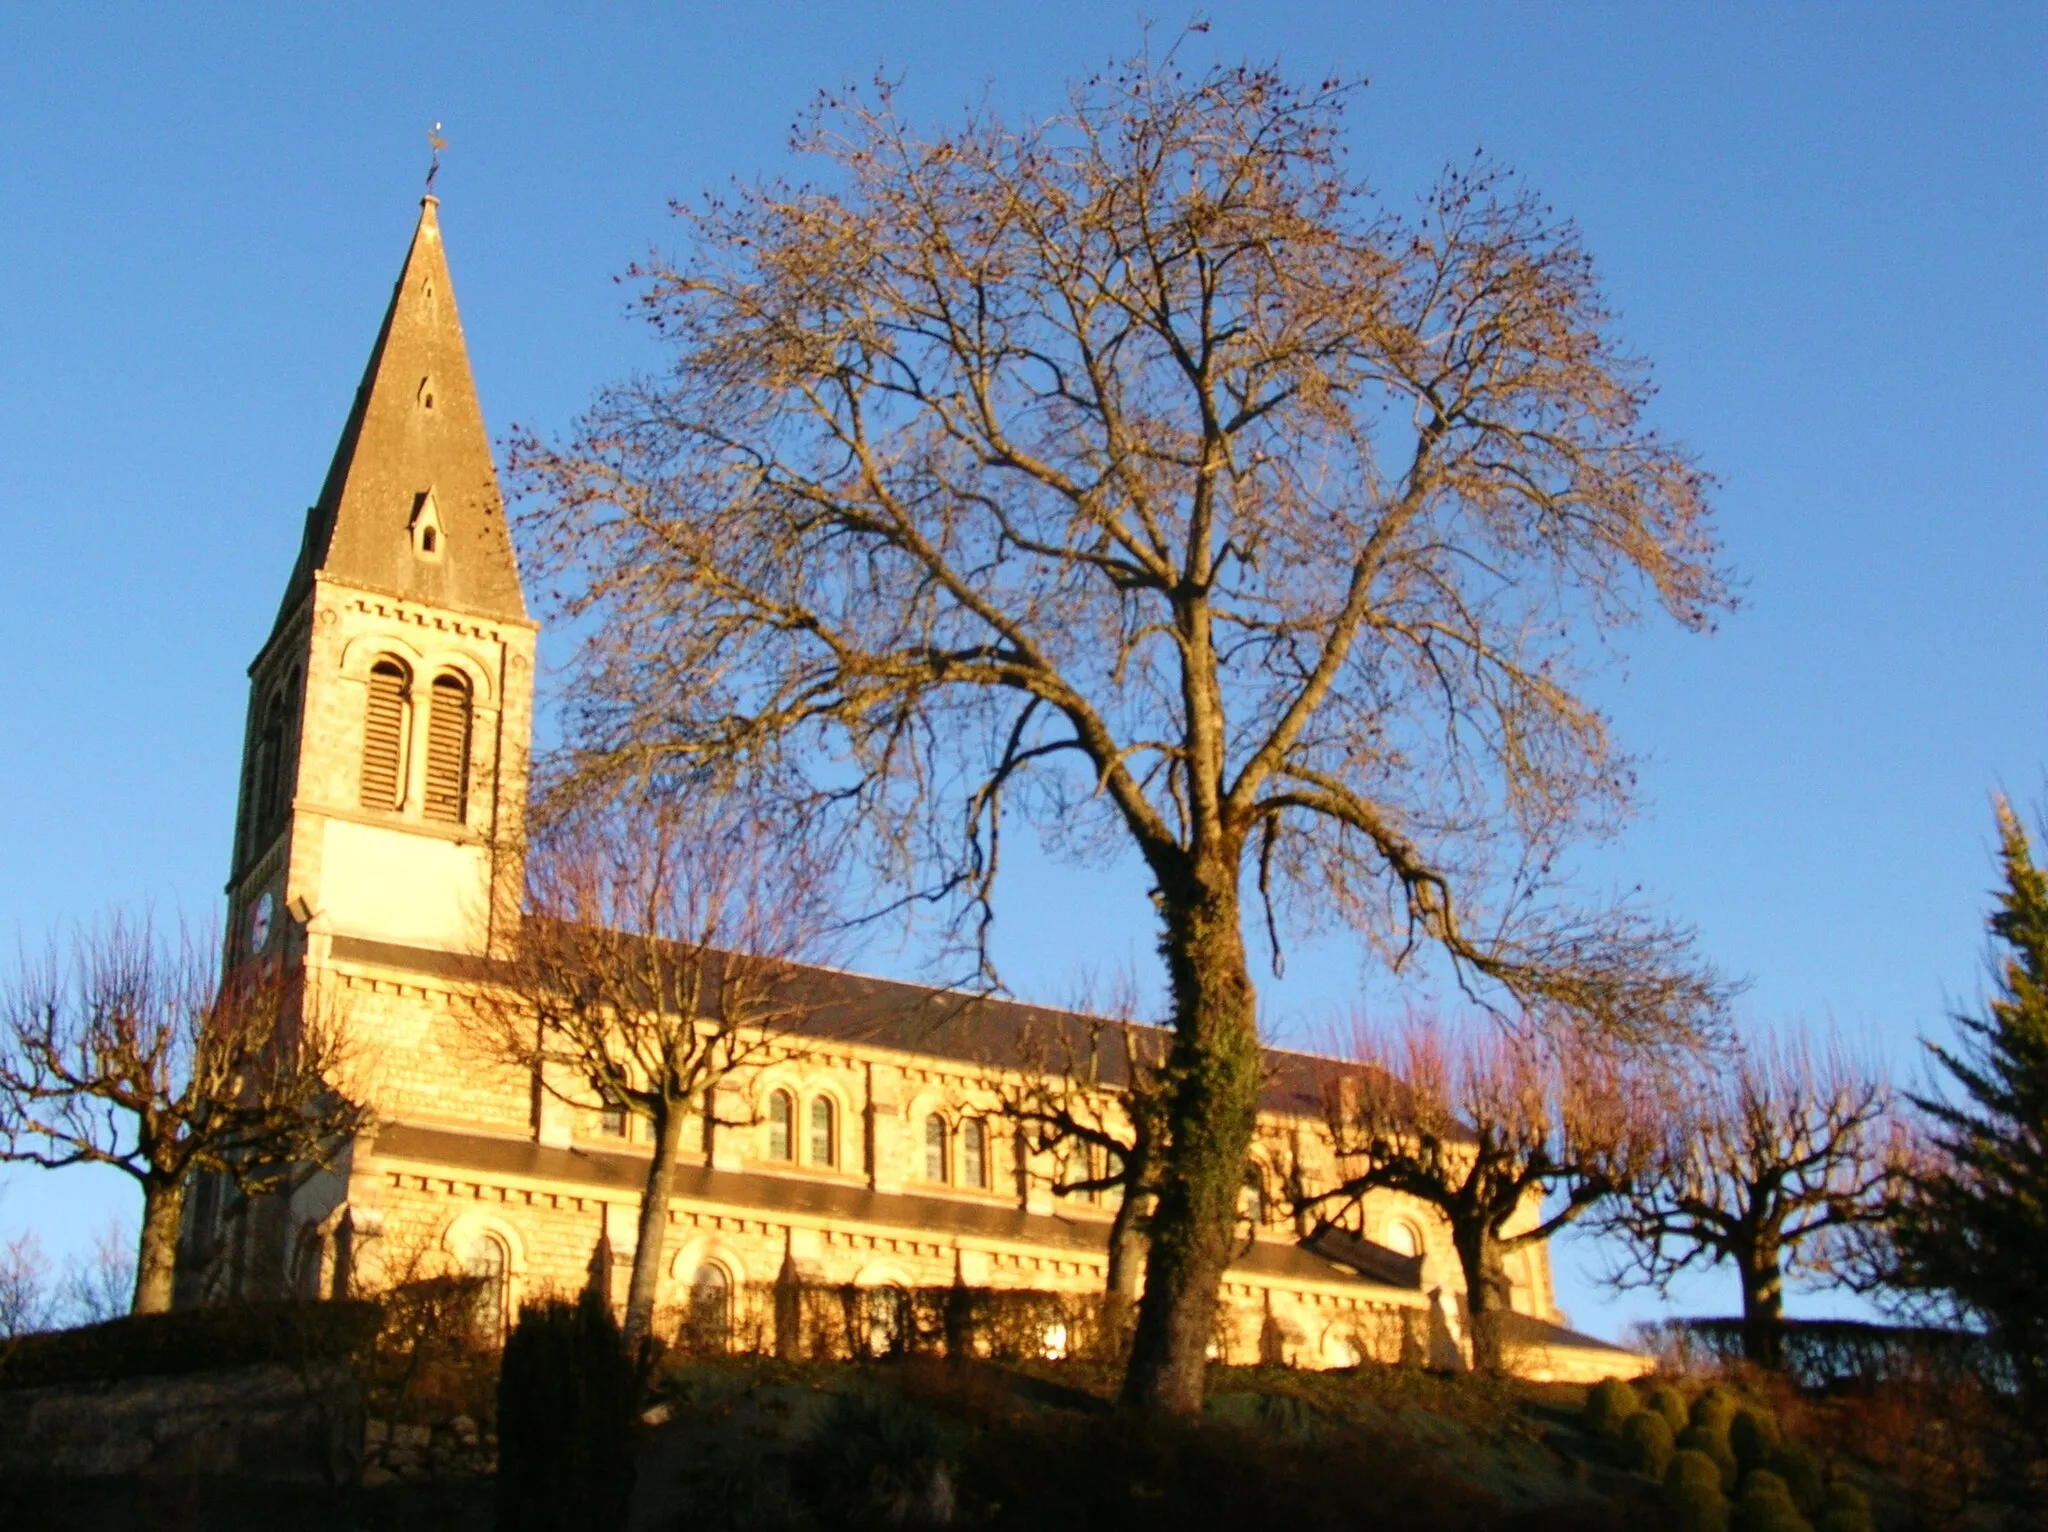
x,y
1753,1436
876,1460
1608,1404
1712,1444
436,1354
1796,1466
1713,1410
1766,1505
1670,1403
1647,1443
1693,1499
566,1398
192,1340
1846,1497
1844,1509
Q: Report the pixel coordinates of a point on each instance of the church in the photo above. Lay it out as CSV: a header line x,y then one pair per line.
x,y
384,778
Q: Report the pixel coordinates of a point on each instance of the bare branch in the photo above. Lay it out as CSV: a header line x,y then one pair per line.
x,y
140,1055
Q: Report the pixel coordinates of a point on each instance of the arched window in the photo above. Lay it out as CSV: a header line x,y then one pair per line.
x,y
888,1317
384,737
1052,1341
271,767
710,1309
1341,1348
779,1140
1403,1238
824,1134
974,1153
307,1262
935,1148
488,1265
1255,1196
448,749
611,1117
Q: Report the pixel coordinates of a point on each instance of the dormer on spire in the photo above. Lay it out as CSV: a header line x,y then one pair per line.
x,y
415,438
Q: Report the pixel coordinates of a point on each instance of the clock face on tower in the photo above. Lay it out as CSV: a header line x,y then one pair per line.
x,y
261,919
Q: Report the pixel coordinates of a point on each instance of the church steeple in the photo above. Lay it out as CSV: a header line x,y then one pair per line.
x,y
390,710
411,505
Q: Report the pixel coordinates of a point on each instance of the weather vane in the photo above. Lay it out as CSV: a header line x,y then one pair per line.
x,y
436,143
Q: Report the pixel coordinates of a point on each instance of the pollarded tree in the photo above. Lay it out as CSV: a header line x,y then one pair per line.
x,y
1776,1164
141,1055
1510,1136
658,957
1973,1223
1133,471
1090,1098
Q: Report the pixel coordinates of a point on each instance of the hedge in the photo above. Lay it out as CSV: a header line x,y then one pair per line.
x,y
191,1340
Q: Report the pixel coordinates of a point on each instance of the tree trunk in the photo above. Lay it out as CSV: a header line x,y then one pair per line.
x,y
1763,1306
156,1257
1126,1270
668,1119
1486,1296
1211,1106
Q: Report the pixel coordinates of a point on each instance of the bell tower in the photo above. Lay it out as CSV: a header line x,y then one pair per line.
x,y
390,710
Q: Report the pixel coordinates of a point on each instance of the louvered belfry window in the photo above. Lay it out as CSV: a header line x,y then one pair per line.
x,y
448,750
384,736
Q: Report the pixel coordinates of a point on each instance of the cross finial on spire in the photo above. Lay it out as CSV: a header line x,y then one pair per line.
x,y
435,143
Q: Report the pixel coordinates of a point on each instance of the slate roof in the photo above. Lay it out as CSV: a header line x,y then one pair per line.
x,y
415,428
1518,1329
940,1023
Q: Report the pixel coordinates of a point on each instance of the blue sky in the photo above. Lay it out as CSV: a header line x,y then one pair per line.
x,y
1826,225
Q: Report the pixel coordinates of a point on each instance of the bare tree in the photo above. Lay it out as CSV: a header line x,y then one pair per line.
x,y
1134,472
1092,1099
1492,1129
1776,1165
141,1055
99,1283
25,1301
658,956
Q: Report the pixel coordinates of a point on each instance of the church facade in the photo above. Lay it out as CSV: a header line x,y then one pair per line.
x,y
384,777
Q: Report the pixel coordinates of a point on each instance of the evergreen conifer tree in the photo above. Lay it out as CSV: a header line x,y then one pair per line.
x,y
1974,1227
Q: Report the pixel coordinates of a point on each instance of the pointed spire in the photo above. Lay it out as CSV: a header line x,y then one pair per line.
x,y
411,506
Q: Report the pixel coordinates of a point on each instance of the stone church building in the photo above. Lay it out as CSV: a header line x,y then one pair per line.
x,y
390,713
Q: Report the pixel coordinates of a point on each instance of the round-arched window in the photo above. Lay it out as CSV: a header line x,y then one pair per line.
x,y
384,711
1052,1341
487,1263
935,1148
780,1142
448,748
710,1309
974,1153
1255,1205
824,1132
888,1317
1403,1238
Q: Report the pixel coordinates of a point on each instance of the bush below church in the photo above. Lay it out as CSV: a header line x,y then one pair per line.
x,y
192,1340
